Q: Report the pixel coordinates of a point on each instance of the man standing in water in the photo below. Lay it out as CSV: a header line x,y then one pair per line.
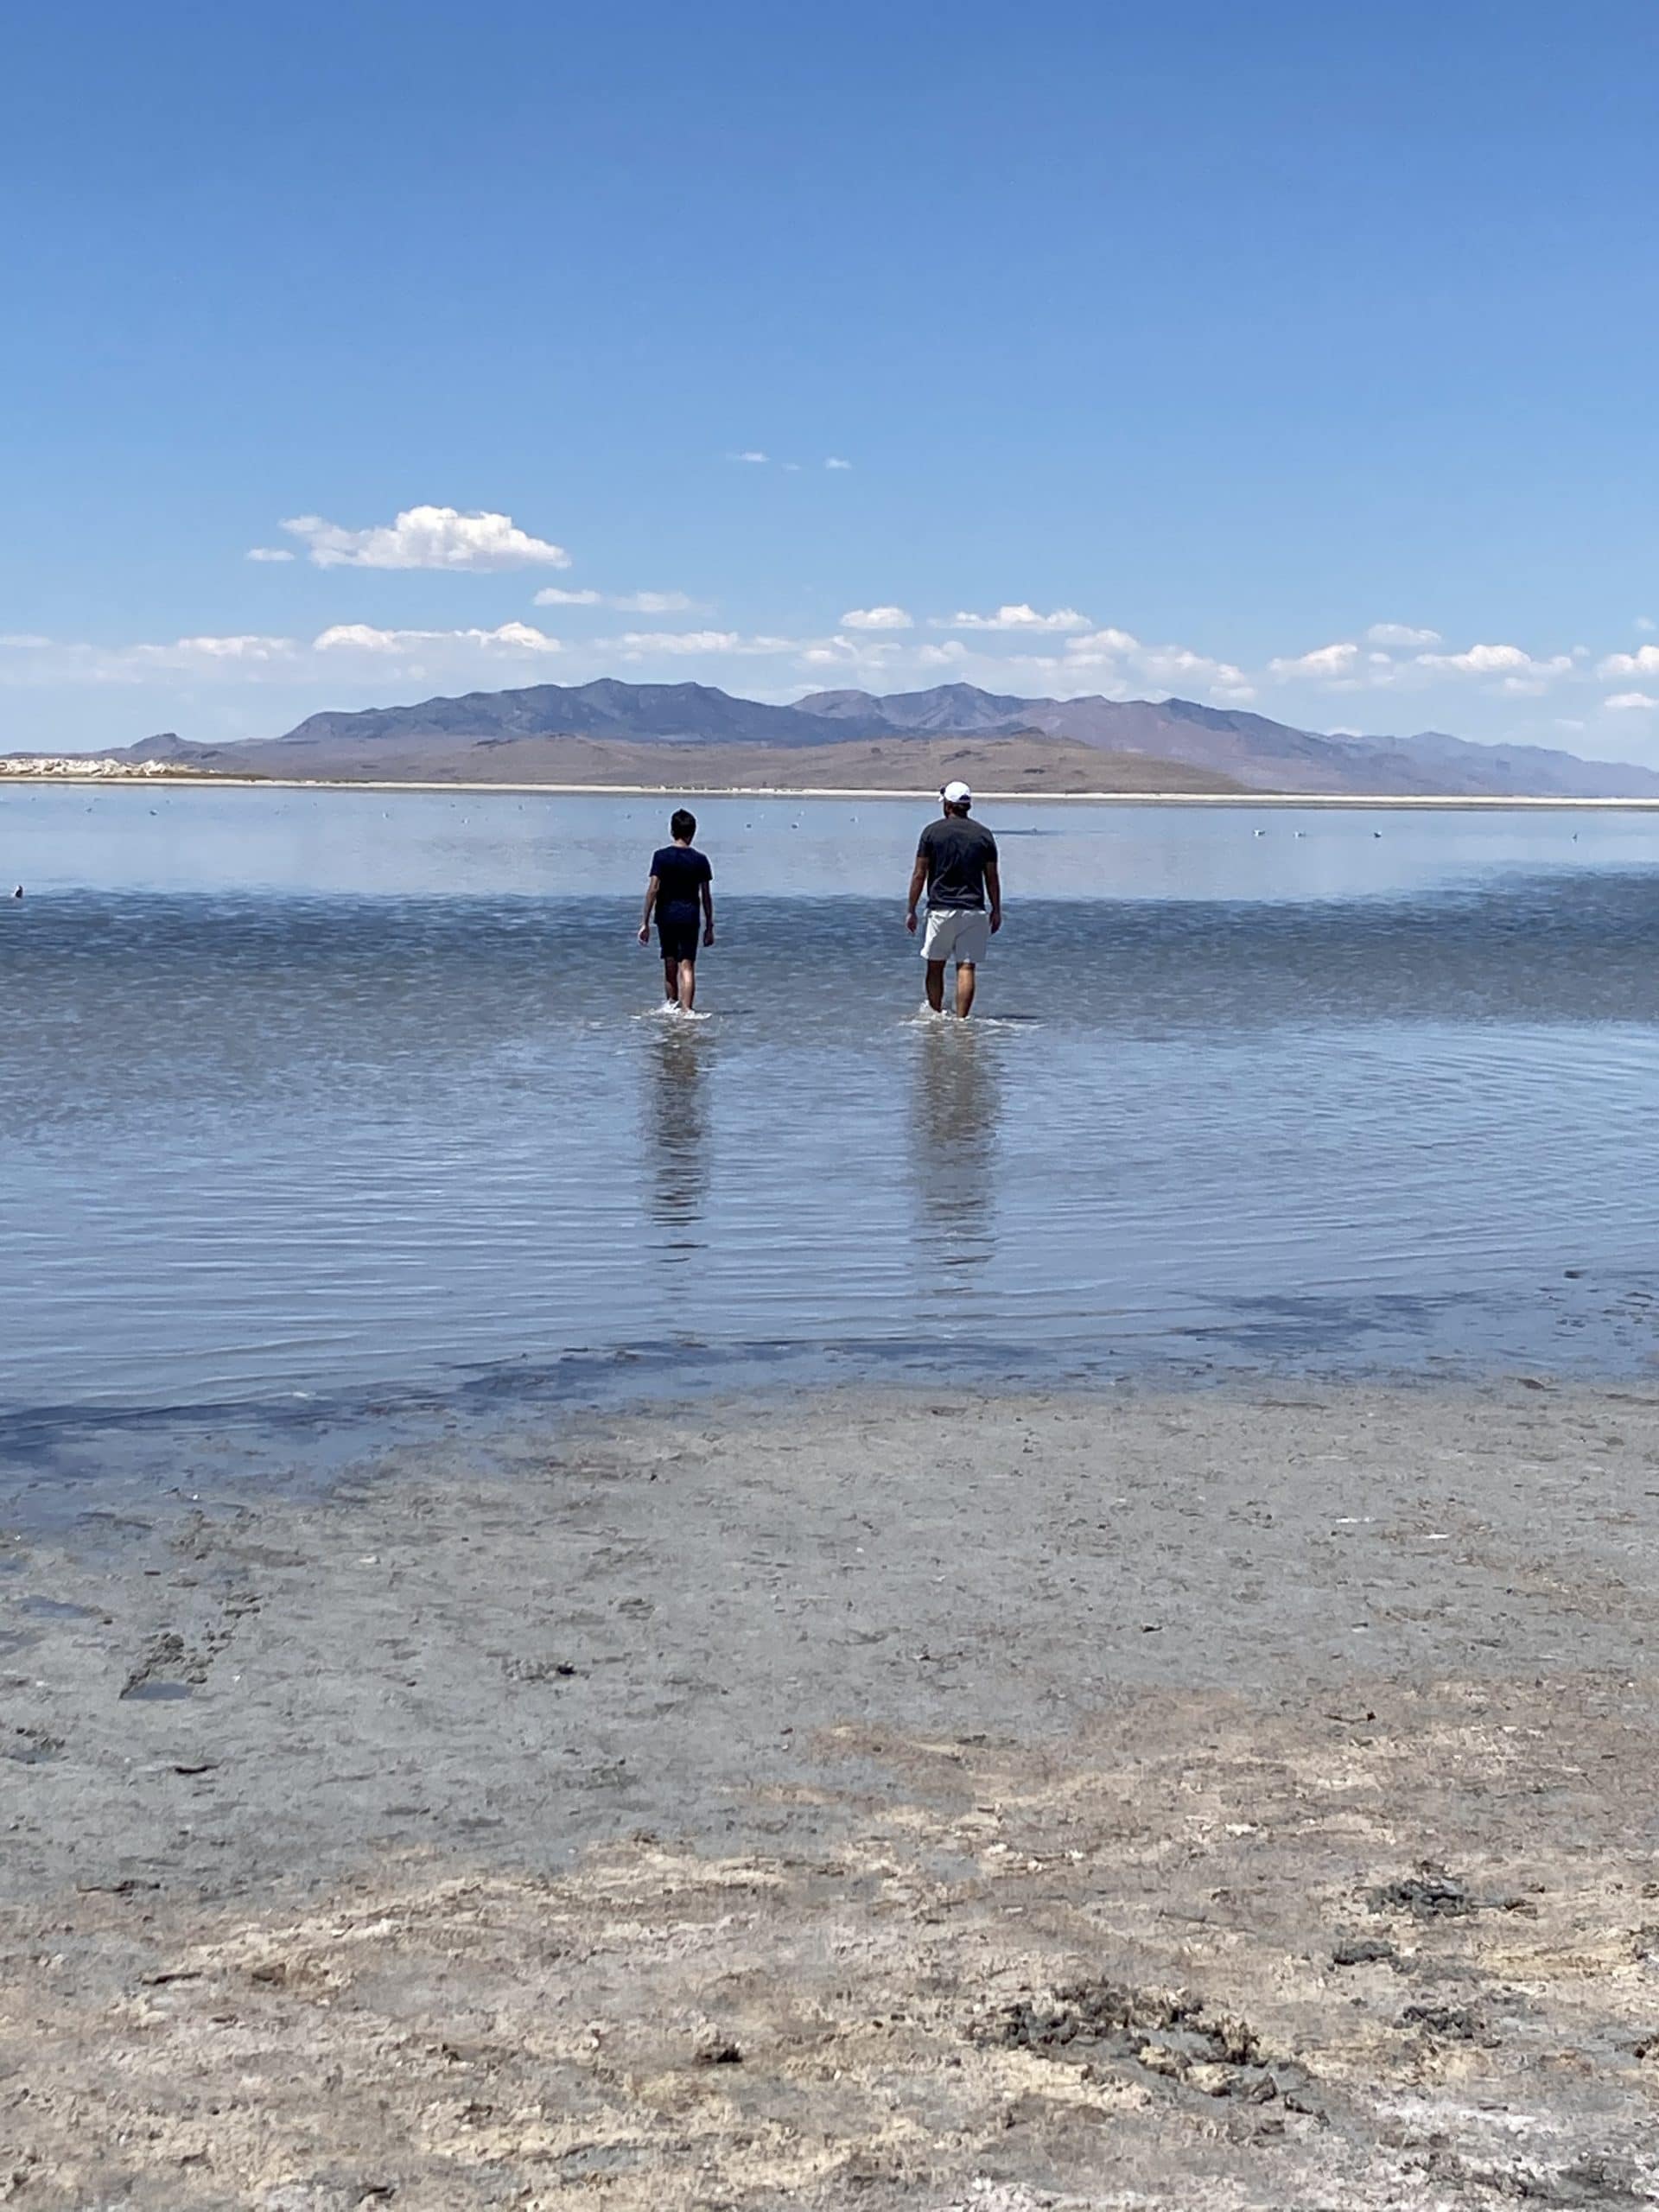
x,y
680,881
955,865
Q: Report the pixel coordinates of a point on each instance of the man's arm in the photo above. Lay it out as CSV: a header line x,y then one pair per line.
x,y
644,919
708,910
993,886
917,885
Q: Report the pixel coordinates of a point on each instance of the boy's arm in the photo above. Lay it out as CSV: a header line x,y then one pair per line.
x,y
917,885
644,919
993,886
708,910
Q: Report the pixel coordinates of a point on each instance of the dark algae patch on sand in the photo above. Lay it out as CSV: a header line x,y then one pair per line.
x,y
674,1811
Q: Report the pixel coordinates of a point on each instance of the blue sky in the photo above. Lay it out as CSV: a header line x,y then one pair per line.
x,y
1291,355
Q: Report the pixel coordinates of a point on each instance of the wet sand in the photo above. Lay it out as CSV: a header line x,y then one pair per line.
x,y
1218,1799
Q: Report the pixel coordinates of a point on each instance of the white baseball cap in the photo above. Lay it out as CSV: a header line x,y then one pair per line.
x,y
957,795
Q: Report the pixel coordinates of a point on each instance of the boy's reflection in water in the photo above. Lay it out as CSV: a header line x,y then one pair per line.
x,y
675,1133
957,1105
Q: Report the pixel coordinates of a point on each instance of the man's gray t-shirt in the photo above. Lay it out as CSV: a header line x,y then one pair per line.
x,y
958,853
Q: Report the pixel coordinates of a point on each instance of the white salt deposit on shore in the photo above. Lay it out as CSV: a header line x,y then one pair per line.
x,y
1160,1800
74,768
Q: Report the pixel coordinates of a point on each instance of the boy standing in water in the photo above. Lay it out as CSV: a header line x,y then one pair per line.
x,y
957,866
680,882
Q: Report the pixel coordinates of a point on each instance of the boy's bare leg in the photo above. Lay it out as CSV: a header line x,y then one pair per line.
x,y
671,980
688,985
936,985
965,980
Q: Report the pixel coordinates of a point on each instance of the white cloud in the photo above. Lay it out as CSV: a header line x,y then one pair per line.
x,y
872,655
1334,664
759,459
834,460
1477,660
1644,661
363,637
679,641
269,553
1102,645
1400,633
634,643
1016,618
1176,667
1493,660
627,602
49,660
1626,702
1644,622
234,648
876,618
427,537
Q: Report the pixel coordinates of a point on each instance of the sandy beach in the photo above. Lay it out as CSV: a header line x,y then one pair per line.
x,y
1157,1799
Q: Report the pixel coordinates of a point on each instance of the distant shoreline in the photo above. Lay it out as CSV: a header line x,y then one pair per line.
x,y
1339,802
1345,800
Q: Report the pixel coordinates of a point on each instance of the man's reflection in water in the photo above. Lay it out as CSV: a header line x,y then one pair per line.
x,y
957,1109
676,1131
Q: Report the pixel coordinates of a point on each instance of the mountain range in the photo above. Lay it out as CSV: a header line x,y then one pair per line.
x,y
694,736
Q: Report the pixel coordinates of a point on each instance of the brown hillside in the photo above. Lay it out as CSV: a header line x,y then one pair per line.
x,y
1024,763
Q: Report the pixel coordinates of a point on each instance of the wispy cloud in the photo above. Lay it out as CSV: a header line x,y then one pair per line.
x,y
634,645
1119,661
626,602
36,660
877,618
506,636
757,459
427,537
1015,617
1644,661
269,553
1343,666
1626,702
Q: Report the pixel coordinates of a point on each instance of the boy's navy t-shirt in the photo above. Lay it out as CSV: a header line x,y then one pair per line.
x,y
957,852
681,872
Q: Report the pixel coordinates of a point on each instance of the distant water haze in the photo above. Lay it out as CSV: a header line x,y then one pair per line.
x,y
323,1092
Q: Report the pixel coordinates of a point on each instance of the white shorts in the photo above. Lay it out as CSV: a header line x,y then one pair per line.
x,y
958,933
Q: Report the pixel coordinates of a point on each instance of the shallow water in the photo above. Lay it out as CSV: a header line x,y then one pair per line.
x,y
326,1092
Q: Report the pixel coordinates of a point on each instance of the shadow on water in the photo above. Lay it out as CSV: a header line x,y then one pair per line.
x,y
957,1109
674,1133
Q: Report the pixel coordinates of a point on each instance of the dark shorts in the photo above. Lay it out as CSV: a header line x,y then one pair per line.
x,y
677,934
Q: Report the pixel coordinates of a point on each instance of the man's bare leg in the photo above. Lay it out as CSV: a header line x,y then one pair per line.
x,y
688,985
671,981
936,985
965,980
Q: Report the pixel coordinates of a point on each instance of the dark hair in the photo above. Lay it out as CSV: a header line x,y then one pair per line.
x,y
683,824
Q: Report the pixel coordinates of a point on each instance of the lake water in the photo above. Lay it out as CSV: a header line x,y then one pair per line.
x,y
338,1092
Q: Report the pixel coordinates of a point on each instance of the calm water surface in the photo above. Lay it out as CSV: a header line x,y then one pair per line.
x,y
321,1092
